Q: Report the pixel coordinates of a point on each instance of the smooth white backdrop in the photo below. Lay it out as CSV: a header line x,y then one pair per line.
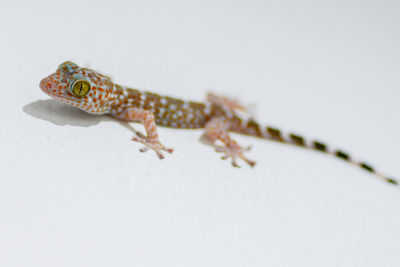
x,y
75,191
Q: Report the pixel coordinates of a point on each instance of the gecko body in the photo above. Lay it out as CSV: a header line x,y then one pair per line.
x,y
97,94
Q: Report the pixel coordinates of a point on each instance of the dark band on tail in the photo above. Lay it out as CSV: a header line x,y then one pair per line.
x,y
342,155
367,167
254,127
275,134
320,146
297,139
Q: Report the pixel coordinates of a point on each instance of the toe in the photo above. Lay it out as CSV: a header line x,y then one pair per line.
x,y
144,149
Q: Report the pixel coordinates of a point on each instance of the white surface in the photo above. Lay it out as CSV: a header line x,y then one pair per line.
x,y
75,191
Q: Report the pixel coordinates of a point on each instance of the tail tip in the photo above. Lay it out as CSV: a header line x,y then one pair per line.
x,y
392,181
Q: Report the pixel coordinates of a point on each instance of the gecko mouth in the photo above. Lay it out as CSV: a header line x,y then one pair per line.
x,y
47,88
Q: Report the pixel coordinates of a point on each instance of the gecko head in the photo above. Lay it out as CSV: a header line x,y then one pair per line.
x,y
80,87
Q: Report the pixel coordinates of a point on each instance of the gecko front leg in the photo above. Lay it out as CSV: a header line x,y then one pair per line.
x,y
218,129
150,141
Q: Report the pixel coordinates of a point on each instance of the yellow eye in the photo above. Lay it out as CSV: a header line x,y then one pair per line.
x,y
80,88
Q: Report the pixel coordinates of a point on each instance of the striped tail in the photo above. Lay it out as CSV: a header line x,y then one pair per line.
x,y
252,128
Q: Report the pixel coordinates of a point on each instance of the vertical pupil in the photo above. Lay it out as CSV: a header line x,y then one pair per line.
x,y
80,87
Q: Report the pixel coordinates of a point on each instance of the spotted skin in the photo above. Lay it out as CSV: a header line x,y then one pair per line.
x,y
218,115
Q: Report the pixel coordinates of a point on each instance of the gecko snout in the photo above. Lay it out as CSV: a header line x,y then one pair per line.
x,y
46,85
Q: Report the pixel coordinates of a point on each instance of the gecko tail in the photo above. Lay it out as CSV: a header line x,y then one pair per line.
x,y
252,128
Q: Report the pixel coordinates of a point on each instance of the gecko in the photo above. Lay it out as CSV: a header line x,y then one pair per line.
x,y
219,116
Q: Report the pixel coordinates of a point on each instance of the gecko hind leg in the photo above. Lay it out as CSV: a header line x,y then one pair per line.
x,y
218,129
150,141
228,103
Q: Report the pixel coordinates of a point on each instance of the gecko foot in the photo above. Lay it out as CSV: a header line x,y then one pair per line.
x,y
151,143
234,152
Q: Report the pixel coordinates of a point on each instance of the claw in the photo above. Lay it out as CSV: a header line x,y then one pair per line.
x,y
235,164
151,143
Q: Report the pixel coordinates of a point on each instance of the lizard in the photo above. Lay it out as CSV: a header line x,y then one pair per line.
x,y
96,93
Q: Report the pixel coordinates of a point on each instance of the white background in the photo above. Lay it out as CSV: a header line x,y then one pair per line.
x,y
75,191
